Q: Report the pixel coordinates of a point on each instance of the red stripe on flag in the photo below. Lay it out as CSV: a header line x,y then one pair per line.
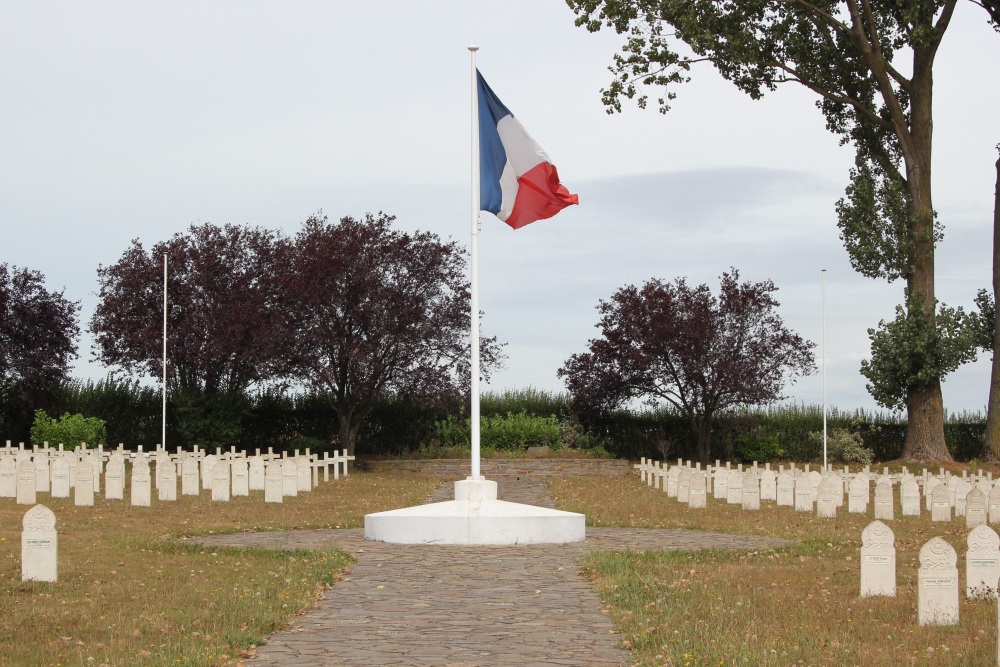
x,y
539,196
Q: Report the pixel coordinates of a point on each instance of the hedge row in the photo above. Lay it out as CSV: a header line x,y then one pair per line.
x,y
284,421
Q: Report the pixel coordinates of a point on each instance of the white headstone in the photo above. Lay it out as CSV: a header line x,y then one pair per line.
x,y
39,545
720,488
884,506
240,474
83,493
838,483
994,501
207,464
734,490
962,489
190,484
982,563
304,474
940,503
751,490
114,478
937,584
8,476
697,492
785,489
804,494
826,496
857,494
273,482
878,560
166,480
289,478
256,474
220,481
95,465
975,508
141,486
909,496
26,492
42,473
670,485
768,485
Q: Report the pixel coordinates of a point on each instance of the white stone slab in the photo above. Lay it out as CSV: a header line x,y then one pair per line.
x,y
166,480
207,464
39,545
940,503
962,489
830,488
220,481
720,487
141,490
42,472
975,508
190,482
909,497
937,584
26,482
982,563
8,476
768,485
751,491
697,491
469,522
884,506
114,479
289,478
878,560
734,489
239,469
784,491
273,483
83,492
805,494
858,490
255,480
303,474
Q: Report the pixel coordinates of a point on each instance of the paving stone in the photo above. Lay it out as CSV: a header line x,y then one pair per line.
x,y
463,606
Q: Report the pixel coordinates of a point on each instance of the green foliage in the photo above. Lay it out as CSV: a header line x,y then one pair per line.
x,y
69,430
758,445
912,351
844,446
513,432
984,321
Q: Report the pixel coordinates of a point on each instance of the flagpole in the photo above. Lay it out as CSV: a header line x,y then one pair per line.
x,y
474,409
163,389
824,368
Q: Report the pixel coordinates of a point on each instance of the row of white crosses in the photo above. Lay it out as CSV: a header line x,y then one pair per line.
x,y
26,472
975,497
937,578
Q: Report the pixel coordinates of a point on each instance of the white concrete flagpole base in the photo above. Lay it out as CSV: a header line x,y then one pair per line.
x,y
475,517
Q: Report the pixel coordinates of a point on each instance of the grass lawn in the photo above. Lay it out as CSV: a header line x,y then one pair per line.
x,y
129,593
798,605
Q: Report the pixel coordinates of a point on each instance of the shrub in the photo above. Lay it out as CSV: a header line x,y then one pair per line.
x,y
843,445
69,430
757,445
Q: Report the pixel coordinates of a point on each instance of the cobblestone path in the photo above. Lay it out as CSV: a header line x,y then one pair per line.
x,y
460,606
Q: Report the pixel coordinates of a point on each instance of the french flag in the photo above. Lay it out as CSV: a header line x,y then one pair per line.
x,y
517,181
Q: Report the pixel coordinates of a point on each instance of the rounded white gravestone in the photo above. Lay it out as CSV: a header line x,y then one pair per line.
x,y
39,544
475,517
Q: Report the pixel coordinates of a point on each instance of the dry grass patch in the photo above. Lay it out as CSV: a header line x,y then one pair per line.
x,y
794,606
129,593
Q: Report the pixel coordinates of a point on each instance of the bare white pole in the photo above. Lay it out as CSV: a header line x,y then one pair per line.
x,y
163,389
824,369
474,409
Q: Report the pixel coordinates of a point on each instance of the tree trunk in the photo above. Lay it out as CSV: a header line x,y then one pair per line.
x,y
924,405
350,424
991,446
703,431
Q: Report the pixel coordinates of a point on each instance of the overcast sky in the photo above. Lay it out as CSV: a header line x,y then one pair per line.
x,y
122,120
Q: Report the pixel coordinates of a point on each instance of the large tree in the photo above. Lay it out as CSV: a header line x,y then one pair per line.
x,y
702,354
38,331
223,321
375,312
847,52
